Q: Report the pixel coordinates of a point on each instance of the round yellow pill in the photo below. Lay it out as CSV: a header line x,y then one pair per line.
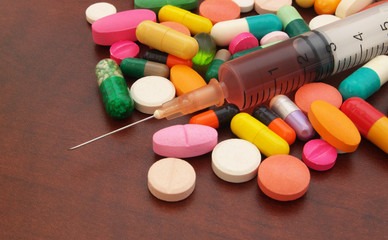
x,y
305,3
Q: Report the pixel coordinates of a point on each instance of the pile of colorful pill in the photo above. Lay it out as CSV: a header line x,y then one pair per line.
x,y
178,40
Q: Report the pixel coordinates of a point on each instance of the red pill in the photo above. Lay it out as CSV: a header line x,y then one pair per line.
x,y
275,123
216,118
370,122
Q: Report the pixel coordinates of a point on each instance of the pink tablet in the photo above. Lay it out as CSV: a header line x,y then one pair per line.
x,y
123,49
319,155
242,42
120,26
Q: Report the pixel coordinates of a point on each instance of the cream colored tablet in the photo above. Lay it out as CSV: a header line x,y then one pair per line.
x,y
149,93
322,20
265,6
245,5
99,10
348,7
171,179
235,160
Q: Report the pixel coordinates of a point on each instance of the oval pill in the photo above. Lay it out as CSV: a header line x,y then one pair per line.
x,y
283,177
166,39
99,10
123,49
185,79
311,92
265,6
195,23
366,80
322,20
171,179
184,141
149,93
346,8
249,128
221,56
113,89
120,26
326,6
206,51
235,160
305,3
274,37
293,116
319,155
334,126
165,58
219,117
137,68
219,10
242,42
245,5
259,25
178,27
372,124
293,23
155,5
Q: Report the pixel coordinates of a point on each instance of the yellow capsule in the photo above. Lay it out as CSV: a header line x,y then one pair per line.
x,y
195,23
166,39
249,128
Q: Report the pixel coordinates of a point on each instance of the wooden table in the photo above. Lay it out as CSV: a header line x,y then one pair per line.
x,y
50,102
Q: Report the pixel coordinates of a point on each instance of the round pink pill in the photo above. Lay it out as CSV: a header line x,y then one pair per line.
x,y
123,49
319,155
242,42
275,36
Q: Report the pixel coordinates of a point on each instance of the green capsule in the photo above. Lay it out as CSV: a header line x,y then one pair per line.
x,y
222,56
114,89
137,68
292,21
155,5
207,49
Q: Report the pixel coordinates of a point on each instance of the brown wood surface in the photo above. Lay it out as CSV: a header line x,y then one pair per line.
x,y
49,101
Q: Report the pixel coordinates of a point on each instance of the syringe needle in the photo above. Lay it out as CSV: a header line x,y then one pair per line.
x,y
109,133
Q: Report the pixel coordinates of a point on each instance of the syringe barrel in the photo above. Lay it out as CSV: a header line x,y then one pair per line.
x,y
257,77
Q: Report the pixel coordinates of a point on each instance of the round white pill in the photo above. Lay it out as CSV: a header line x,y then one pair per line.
x,y
149,93
171,179
99,10
245,5
235,160
322,20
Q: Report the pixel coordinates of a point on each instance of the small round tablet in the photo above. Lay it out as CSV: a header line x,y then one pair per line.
x,y
322,20
219,10
245,5
171,179
273,37
123,49
311,92
242,42
235,160
99,10
283,177
319,155
149,93
177,26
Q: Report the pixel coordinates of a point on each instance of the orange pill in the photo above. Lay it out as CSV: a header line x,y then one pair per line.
x,y
311,92
185,79
177,26
283,177
219,10
334,126
326,6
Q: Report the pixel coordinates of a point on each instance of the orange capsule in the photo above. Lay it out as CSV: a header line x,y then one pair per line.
x,y
275,123
216,118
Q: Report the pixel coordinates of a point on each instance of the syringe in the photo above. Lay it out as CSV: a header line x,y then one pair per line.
x,y
281,68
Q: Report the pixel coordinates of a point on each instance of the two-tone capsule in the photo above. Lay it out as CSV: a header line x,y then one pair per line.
x,y
218,117
293,116
113,89
137,68
249,128
165,58
293,23
275,123
366,80
221,56
370,122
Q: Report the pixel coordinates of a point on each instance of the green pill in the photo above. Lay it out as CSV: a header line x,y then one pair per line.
x,y
207,49
292,21
155,5
221,56
137,68
114,89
